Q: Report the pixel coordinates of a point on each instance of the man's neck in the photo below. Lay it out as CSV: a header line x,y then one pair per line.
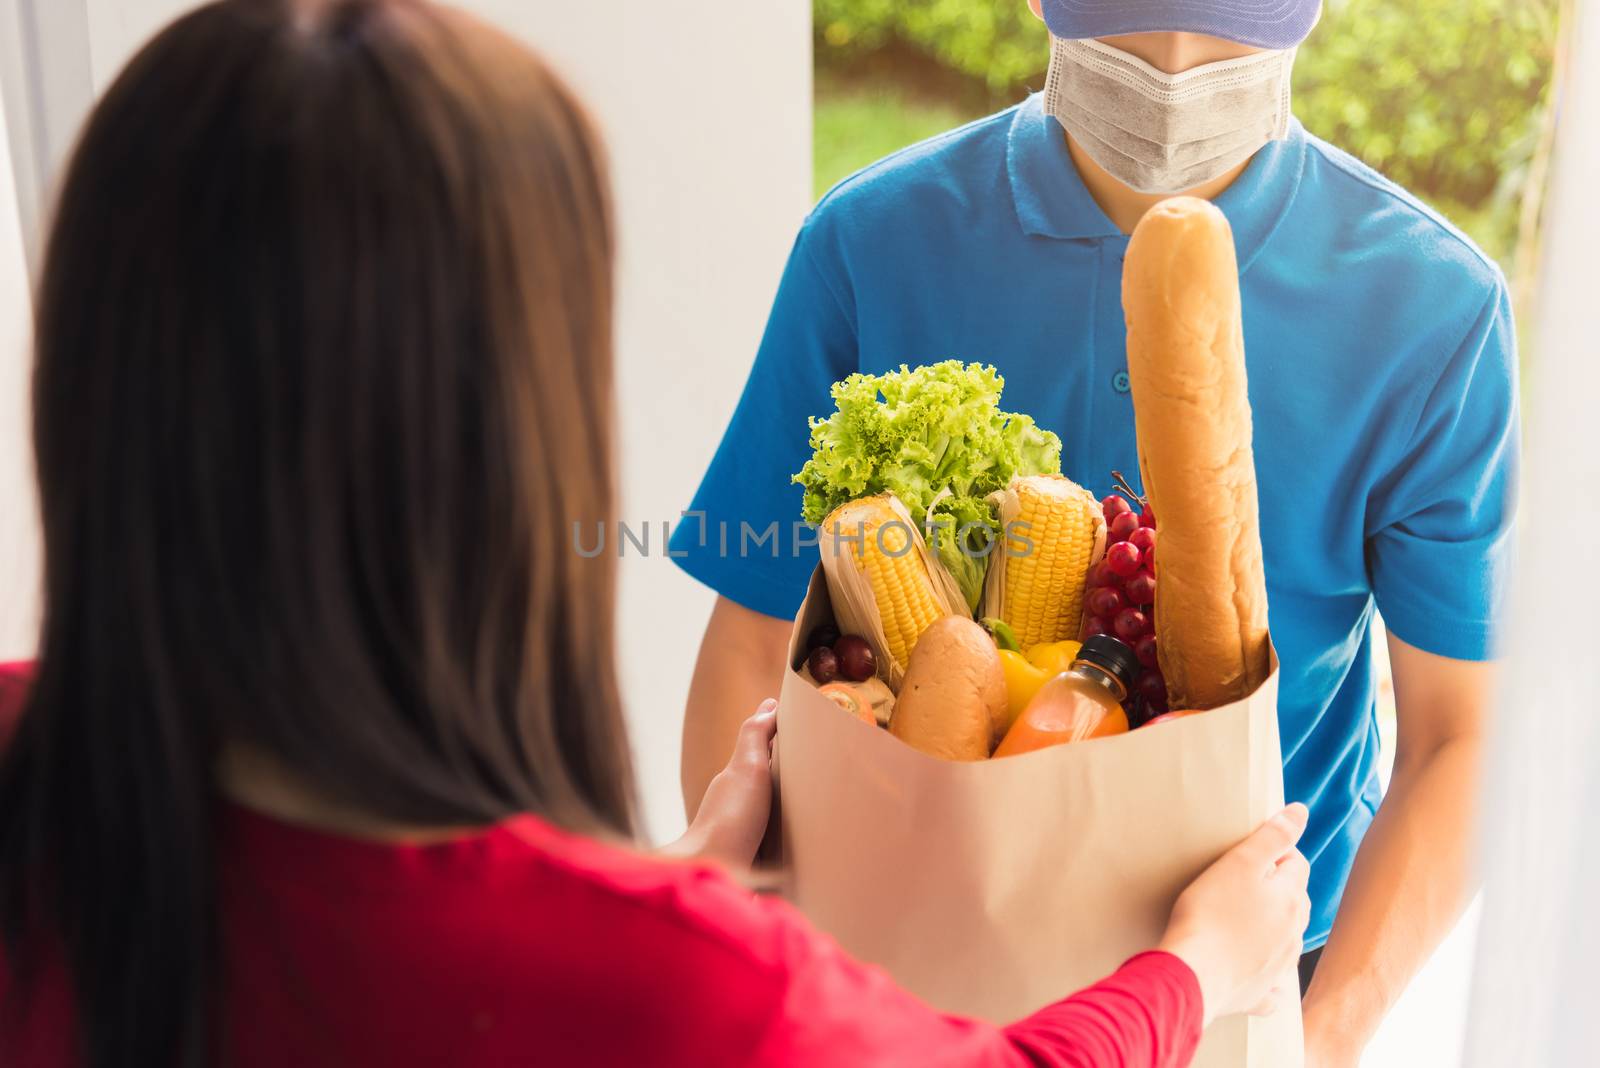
x,y
1125,206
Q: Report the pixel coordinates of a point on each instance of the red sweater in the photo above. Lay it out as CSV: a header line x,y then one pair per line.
x,y
527,945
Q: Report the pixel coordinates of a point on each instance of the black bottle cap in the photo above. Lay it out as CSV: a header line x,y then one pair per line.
x,y
1113,657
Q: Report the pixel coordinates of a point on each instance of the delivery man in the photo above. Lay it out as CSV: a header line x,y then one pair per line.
x,y
1381,358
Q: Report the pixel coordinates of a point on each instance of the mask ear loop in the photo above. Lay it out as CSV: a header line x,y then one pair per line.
x,y
1286,93
1052,75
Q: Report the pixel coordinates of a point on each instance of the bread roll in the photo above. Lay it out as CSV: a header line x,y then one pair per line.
x,y
952,703
1180,293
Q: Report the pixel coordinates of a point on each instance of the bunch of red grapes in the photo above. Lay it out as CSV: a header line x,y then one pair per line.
x,y
1121,596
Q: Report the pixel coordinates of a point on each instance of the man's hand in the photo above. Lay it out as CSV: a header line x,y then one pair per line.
x,y
1410,881
740,665
733,815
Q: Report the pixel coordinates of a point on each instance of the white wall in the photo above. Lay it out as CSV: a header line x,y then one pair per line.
x,y
19,540
706,106
47,81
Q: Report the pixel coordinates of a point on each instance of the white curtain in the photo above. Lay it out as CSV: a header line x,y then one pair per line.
x,y
1536,992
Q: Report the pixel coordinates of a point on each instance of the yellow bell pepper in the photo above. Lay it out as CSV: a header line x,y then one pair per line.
x,y
1022,682
1054,657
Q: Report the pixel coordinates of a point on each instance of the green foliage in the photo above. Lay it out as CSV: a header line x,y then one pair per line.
x,y
1444,96
997,43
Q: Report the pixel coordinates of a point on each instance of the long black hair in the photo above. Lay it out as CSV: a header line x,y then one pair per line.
x,y
323,376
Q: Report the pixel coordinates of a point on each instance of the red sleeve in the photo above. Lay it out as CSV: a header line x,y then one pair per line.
x,y
1148,1013
14,679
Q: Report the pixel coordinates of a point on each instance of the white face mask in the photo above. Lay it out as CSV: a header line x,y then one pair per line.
x,y
1165,133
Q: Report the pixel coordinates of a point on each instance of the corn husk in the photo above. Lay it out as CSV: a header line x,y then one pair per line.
x,y
855,608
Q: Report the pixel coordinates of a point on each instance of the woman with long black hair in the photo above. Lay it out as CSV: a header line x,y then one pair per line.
x,y
321,761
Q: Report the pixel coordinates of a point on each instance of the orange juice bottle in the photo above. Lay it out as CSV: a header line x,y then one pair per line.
x,y
1082,702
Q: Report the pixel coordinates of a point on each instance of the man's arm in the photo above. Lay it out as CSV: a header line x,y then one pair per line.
x,y
740,665
1411,878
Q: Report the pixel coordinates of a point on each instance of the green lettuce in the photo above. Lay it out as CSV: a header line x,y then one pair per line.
x,y
936,438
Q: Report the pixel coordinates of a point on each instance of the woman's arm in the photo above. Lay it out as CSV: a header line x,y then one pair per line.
x,y
1149,1012
740,663
731,818
1233,932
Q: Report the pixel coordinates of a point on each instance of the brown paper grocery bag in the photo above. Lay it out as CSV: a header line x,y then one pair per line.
x,y
993,888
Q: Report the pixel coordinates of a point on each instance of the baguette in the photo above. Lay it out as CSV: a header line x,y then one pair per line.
x,y
1180,294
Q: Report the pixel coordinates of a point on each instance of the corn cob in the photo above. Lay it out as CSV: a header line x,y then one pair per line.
x,y
878,542
1055,532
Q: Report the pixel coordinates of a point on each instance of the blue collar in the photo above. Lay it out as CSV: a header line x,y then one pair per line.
x,y
1052,201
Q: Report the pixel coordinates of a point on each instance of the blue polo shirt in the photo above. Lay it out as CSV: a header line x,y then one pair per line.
x,y
1382,375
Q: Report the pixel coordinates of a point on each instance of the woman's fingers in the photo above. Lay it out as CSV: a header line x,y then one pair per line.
x,y
1240,925
1295,867
733,815
754,745
1274,840
1269,1004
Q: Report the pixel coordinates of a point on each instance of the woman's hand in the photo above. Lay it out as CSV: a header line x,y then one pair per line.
x,y
732,818
1239,925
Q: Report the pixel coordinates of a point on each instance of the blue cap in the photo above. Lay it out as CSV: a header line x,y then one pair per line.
x,y
1261,23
